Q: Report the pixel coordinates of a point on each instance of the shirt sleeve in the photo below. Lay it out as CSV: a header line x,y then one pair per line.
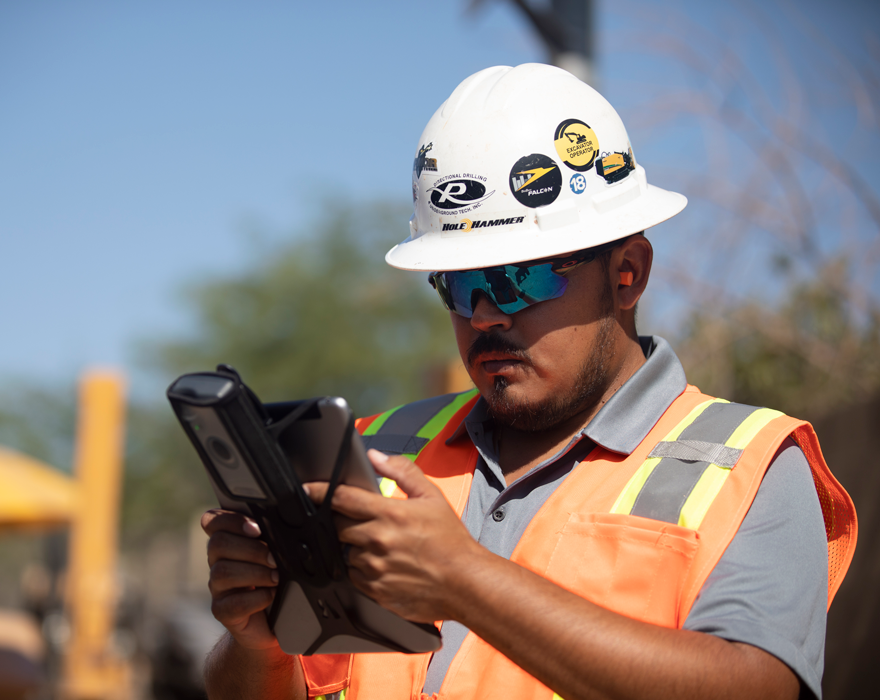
x,y
770,588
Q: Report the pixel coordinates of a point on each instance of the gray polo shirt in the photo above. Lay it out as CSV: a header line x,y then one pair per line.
x,y
770,587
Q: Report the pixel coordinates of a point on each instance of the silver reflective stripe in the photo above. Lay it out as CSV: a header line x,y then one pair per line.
x,y
398,433
717,423
698,451
394,444
683,461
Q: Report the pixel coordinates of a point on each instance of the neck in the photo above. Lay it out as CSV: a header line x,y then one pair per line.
x,y
519,452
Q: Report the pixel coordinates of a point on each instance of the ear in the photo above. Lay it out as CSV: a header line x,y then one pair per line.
x,y
629,270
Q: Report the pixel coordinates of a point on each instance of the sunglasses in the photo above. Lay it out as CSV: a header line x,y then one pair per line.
x,y
511,287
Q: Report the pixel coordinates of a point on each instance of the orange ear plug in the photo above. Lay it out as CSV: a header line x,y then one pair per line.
x,y
626,278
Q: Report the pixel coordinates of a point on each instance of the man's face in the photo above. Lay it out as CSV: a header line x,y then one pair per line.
x,y
547,363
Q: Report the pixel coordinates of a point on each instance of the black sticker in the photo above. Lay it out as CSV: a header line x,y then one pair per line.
x,y
423,163
535,180
456,194
615,166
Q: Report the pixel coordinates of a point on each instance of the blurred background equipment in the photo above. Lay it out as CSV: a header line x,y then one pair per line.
x,y
34,494
92,667
38,497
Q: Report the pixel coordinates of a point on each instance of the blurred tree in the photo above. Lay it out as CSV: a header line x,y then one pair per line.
x,y
805,358
325,315
40,423
321,315
769,280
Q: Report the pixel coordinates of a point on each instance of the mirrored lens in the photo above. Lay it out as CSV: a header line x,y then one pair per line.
x,y
510,287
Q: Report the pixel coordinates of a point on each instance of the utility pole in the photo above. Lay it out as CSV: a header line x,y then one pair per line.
x,y
566,28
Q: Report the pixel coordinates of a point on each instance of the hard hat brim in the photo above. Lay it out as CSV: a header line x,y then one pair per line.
x,y
553,232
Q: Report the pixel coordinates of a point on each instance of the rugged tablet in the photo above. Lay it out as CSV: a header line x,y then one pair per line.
x,y
257,457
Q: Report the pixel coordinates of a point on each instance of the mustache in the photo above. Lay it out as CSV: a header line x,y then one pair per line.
x,y
495,342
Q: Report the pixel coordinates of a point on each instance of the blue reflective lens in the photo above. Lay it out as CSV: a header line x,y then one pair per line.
x,y
510,287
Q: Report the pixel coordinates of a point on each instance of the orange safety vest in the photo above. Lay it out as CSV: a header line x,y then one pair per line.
x,y
589,537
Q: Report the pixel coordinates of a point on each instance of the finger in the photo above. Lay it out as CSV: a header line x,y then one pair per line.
x,y
365,566
235,609
228,575
357,503
217,519
226,545
316,490
411,480
357,533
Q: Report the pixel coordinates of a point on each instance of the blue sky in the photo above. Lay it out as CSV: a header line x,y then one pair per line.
x,y
141,142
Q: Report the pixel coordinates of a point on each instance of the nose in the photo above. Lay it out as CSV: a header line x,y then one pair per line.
x,y
487,316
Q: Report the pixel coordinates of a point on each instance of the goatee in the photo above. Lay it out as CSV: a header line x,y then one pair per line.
x,y
535,416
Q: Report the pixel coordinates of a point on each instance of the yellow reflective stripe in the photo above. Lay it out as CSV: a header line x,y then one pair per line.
x,y
373,427
433,427
557,696
333,696
705,490
709,485
627,498
429,431
690,418
750,427
387,486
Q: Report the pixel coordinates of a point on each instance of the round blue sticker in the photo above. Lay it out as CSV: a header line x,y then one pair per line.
x,y
578,183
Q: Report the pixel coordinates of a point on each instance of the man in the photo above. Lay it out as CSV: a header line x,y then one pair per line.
x,y
588,525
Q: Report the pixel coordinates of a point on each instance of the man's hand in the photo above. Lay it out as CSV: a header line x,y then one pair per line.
x,y
243,577
403,552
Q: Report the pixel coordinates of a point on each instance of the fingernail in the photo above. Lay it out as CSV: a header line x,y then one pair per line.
x,y
275,576
306,489
271,560
379,456
250,528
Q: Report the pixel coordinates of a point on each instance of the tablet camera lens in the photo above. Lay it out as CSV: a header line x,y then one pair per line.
x,y
222,452
188,414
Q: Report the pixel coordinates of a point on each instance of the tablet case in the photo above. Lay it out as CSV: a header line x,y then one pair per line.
x,y
317,609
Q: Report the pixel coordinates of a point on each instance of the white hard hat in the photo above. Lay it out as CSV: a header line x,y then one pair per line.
x,y
520,164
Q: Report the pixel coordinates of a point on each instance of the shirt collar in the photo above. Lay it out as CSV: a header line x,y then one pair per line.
x,y
624,421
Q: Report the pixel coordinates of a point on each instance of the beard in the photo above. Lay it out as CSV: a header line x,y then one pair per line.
x,y
581,396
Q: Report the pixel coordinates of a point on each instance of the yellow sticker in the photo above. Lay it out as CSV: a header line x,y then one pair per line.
x,y
615,166
576,144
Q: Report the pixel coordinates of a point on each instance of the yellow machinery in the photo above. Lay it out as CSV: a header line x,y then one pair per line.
x,y
91,670
35,495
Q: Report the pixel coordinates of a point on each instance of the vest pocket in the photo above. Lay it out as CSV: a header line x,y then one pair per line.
x,y
630,565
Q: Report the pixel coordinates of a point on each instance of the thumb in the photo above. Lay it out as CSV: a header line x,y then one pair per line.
x,y
411,480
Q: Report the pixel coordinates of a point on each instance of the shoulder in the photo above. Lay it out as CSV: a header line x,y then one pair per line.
x,y
408,428
424,408
770,588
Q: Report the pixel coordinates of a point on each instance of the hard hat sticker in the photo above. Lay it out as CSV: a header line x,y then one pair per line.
x,y
458,193
576,144
422,163
614,166
452,228
578,183
535,180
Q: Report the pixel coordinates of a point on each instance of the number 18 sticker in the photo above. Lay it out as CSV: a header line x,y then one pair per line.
x,y
578,183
